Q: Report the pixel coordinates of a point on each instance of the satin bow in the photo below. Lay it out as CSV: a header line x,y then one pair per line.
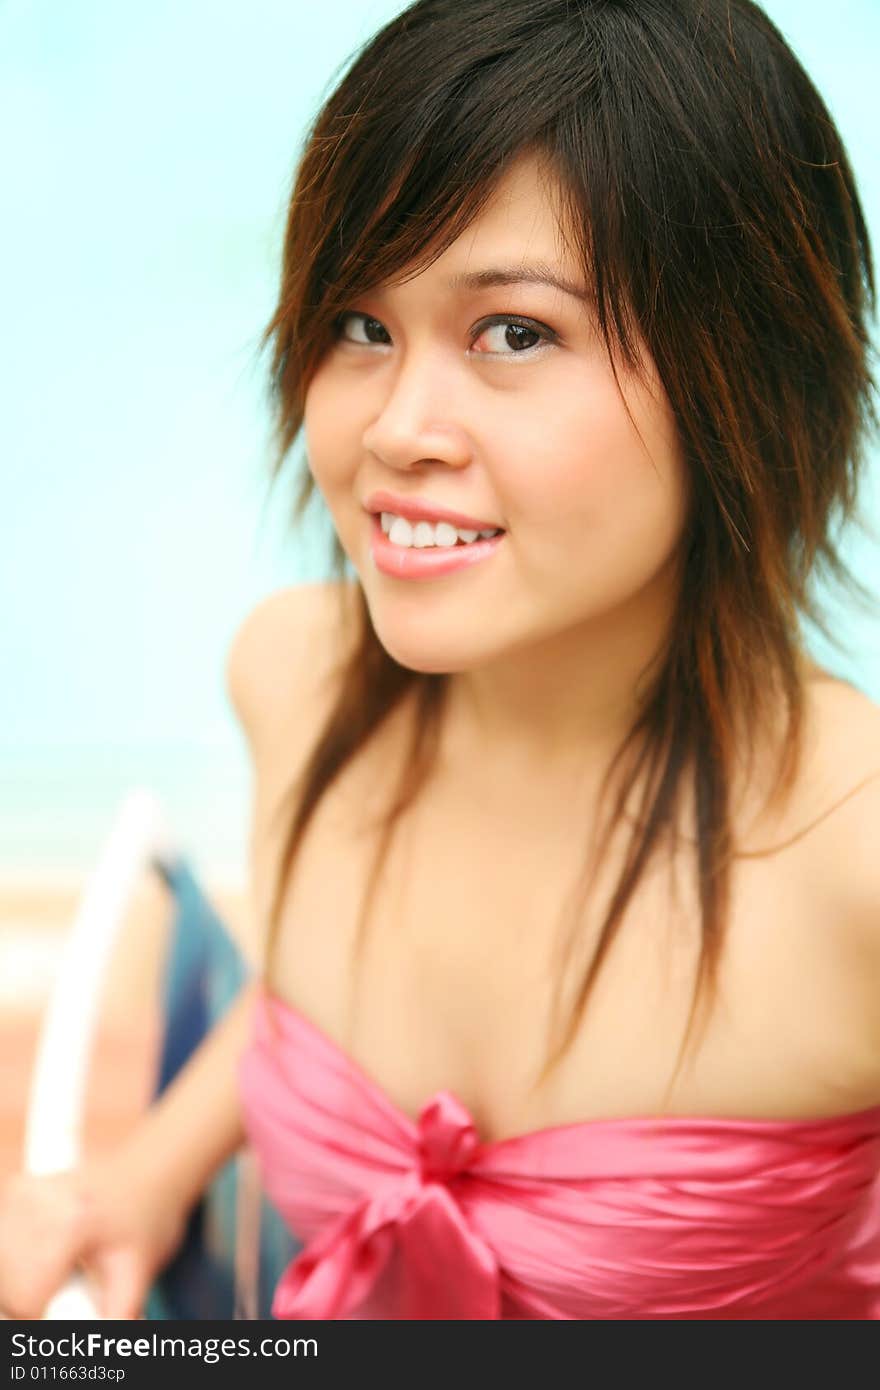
x,y
447,1270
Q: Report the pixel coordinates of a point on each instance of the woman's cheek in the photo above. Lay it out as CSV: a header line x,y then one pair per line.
x,y
329,439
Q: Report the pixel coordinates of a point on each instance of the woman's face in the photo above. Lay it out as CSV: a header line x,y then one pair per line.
x,y
432,392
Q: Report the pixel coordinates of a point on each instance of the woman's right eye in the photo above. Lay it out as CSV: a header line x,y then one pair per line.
x,y
371,329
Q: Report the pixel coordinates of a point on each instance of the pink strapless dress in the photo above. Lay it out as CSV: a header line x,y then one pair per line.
x,y
621,1219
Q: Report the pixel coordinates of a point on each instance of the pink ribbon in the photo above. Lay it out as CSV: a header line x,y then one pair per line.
x,y
448,1271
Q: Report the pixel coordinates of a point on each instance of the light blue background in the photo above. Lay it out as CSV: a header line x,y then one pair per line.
x,y
147,155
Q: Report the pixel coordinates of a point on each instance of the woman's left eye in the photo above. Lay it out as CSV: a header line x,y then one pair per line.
x,y
520,336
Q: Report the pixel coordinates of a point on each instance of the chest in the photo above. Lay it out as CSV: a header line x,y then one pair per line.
x,y
464,947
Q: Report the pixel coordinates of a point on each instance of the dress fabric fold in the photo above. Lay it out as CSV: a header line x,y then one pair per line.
x,y
656,1218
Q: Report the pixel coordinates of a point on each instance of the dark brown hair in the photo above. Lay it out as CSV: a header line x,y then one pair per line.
x,y
713,208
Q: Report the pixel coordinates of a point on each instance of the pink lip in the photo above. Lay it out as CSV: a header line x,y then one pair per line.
x,y
415,510
429,562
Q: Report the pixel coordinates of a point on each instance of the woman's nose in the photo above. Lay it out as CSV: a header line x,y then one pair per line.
x,y
418,420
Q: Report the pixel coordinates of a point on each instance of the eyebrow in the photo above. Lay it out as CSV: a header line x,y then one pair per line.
x,y
536,274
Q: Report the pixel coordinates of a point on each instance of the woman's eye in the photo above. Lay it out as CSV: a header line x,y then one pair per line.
x,y
513,336
370,330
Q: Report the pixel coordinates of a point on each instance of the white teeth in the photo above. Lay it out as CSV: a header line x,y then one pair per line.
x,y
424,533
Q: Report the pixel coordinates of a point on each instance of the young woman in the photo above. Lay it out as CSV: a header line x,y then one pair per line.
x,y
564,847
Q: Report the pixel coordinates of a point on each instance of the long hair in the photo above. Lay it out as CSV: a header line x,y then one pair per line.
x,y
712,206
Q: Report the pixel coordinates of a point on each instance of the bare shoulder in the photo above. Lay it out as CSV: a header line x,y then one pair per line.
x,y
282,652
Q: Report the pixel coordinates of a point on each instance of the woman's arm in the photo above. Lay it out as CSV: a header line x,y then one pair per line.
x,y
195,1125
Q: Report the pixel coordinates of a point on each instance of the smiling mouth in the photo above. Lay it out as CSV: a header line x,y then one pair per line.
x,y
449,538
402,561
